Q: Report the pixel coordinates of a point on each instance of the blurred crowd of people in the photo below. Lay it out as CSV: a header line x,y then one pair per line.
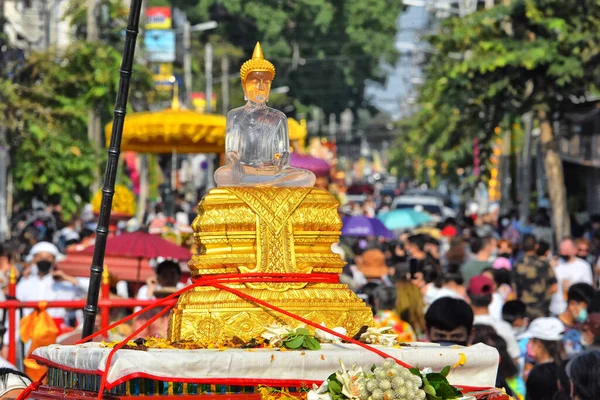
x,y
476,278
488,279
39,243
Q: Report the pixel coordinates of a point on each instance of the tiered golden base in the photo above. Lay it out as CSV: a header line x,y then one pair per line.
x,y
253,230
210,316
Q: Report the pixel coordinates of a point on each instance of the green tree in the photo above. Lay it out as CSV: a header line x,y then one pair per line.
x,y
44,108
491,67
324,50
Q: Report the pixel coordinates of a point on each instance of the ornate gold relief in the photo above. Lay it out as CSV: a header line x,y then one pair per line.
x,y
265,230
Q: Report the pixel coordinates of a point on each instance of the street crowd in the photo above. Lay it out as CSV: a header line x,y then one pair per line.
x,y
479,277
486,278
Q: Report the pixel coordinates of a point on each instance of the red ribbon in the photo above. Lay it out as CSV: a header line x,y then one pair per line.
x,y
219,282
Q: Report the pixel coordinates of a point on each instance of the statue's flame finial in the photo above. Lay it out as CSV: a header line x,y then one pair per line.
x,y
257,64
258,53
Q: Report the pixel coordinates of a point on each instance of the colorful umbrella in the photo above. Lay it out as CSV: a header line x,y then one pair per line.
x,y
318,166
142,245
365,226
404,218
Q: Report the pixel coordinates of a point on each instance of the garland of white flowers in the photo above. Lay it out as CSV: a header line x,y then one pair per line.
x,y
387,382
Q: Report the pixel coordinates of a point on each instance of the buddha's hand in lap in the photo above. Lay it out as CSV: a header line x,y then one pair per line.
x,y
282,160
237,170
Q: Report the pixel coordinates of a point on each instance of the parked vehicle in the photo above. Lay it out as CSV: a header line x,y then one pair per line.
x,y
430,204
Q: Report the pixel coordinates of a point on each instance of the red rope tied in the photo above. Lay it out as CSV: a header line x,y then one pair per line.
x,y
31,388
268,277
219,282
308,322
103,382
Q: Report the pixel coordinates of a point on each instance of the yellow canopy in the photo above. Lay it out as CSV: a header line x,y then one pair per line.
x,y
184,131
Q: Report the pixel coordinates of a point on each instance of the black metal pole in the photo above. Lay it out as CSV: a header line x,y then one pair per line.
x,y
110,174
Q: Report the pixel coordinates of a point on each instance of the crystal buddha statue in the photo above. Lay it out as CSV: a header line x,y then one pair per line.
x,y
257,145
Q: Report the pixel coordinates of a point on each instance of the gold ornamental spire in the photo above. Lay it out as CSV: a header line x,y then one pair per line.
x,y
257,64
257,54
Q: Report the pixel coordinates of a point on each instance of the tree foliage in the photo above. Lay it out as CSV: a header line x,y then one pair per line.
x,y
44,106
324,50
490,67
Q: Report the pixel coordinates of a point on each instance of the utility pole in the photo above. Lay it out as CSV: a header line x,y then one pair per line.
x,y
526,168
47,21
93,115
208,66
92,26
4,154
225,84
187,62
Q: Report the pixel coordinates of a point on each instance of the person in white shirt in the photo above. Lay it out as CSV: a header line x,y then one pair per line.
x,y
569,271
50,284
46,284
480,292
451,286
166,281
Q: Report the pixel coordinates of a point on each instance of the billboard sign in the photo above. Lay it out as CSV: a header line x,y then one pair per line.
x,y
160,46
199,101
158,18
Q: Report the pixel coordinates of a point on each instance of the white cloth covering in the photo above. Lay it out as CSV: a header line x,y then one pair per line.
x,y
207,366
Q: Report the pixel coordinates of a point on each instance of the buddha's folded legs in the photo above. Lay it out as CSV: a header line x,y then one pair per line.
x,y
290,177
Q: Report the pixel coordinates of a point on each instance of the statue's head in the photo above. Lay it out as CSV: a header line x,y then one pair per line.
x,y
257,75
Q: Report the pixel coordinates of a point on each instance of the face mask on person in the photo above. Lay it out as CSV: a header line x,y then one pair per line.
x,y
44,266
582,316
518,331
505,255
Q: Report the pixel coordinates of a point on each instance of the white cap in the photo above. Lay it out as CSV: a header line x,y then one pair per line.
x,y
11,379
472,208
548,328
44,247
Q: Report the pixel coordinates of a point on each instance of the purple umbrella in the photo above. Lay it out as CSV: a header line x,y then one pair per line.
x,y
365,226
318,166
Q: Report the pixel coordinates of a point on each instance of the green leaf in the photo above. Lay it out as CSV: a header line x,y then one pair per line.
x,y
312,343
446,391
445,371
334,386
302,331
429,390
373,368
294,343
436,377
415,371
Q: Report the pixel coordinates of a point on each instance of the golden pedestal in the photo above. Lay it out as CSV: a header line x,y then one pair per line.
x,y
265,230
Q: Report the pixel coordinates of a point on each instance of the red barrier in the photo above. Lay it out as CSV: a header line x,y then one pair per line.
x,y
12,316
105,303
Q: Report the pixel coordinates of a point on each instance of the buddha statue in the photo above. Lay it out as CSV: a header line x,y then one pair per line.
x,y
257,145
266,221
